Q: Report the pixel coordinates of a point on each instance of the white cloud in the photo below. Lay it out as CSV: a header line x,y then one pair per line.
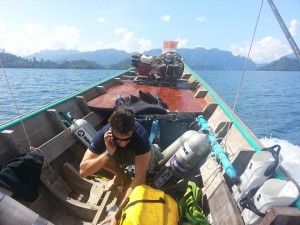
x,y
200,19
120,30
144,45
2,26
165,18
67,37
129,42
33,38
201,46
265,50
182,43
295,27
101,20
91,46
268,48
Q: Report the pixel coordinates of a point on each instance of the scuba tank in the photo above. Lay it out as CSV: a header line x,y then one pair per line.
x,y
273,193
169,151
261,166
195,147
83,131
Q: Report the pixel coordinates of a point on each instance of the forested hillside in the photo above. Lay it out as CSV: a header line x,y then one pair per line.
x,y
12,61
283,64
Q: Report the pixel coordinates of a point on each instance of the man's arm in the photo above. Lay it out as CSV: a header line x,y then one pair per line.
x,y
91,163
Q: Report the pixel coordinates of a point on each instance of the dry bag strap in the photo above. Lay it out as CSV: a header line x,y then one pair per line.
x,y
248,203
160,200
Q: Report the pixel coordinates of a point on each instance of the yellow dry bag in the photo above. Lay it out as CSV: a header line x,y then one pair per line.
x,y
149,206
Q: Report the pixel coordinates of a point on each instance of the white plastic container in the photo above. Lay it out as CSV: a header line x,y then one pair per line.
x,y
83,131
254,175
273,193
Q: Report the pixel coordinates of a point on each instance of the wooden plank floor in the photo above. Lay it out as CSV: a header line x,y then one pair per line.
x,y
181,100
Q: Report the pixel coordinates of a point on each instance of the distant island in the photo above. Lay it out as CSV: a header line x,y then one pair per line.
x,y
197,59
283,64
12,61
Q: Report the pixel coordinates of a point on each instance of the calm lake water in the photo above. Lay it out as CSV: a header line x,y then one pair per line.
x,y
268,102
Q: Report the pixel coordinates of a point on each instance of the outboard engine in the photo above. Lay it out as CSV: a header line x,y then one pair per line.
x,y
143,69
142,63
168,66
187,156
172,66
135,60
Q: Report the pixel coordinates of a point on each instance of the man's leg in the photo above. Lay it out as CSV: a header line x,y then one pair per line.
x,y
113,167
116,165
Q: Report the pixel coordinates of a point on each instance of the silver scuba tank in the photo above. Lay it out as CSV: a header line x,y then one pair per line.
x,y
83,131
186,157
169,151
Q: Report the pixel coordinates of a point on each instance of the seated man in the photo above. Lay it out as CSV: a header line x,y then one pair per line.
x,y
120,143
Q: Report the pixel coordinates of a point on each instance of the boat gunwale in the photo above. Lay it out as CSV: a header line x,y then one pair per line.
x,y
236,121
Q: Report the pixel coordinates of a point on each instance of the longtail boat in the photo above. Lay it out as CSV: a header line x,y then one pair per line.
x,y
189,105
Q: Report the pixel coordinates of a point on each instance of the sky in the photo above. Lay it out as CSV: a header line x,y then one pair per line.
x,y
32,26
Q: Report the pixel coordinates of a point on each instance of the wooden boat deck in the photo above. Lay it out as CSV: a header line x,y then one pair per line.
x,y
180,100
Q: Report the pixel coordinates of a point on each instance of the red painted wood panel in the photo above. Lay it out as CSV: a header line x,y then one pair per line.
x,y
181,100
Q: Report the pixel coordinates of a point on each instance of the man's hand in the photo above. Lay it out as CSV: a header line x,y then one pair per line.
x,y
109,142
110,220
